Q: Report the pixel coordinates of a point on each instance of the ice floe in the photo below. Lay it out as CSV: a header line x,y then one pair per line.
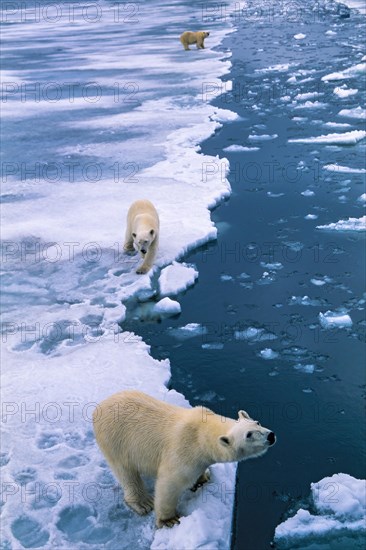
x,y
331,319
176,278
335,516
346,138
352,224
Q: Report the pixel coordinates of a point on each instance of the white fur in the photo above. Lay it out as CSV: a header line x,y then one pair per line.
x,y
142,232
141,435
190,37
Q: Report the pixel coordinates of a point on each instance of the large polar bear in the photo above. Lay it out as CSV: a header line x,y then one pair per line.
x,y
141,435
142,232
190,37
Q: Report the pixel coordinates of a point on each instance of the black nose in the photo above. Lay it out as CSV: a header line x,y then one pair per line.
x,y
271,438
143,251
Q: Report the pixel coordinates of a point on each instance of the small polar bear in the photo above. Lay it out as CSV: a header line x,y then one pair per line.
x,y
190,37
142,232
140,435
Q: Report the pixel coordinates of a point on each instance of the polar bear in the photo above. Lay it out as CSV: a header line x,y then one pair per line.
x,y
139,434
190,37
142,232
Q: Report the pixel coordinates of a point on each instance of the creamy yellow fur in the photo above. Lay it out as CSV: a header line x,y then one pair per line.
x,y
142,232
190,37
142,435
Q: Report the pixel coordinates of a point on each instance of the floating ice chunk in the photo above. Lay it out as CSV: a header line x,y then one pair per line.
x,y
345,169
167,307
362,198
274,195
311,105
225,278
307,369
213,346
268,354
357,112
330,33
280,68
352,224
262,137
224,115
311,217
337,521
304,301
331,319
308,193
347,138
351,72
175,278
299,36
191,330
321,282
276,266
240,149
339,125
253,334
308,95
343,91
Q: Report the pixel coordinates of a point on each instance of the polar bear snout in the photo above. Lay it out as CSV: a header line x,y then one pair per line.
x,y
271,438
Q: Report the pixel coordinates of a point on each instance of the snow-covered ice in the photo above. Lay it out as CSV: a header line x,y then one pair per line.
x,y
175,278
335,516
240,149
347,138
352,224
331,319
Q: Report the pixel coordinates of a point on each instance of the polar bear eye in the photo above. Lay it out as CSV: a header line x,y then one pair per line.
x,y
249,434
258,424
134,235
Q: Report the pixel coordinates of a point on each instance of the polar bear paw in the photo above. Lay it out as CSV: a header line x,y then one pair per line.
x,y
170,522
142,269
204,478
142,506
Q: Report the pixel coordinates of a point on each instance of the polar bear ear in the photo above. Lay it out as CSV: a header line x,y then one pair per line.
x,y
244,415
152,232
225,440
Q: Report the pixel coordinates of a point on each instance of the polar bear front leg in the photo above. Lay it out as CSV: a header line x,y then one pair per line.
x,y
149,259
204,478
167,492
134,492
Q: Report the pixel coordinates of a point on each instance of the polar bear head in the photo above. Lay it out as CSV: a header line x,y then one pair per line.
x,y
143,240
247,438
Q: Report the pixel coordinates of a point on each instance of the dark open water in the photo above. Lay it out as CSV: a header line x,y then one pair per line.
x,y
318,416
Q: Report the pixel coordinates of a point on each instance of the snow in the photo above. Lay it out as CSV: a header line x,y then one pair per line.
x,y
167,307
48,403
335,518
63,347
176,278
331,319
352,224
347,138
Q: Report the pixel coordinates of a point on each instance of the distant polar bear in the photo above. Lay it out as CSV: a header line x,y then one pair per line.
x,y
190,37
141,435
142,232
